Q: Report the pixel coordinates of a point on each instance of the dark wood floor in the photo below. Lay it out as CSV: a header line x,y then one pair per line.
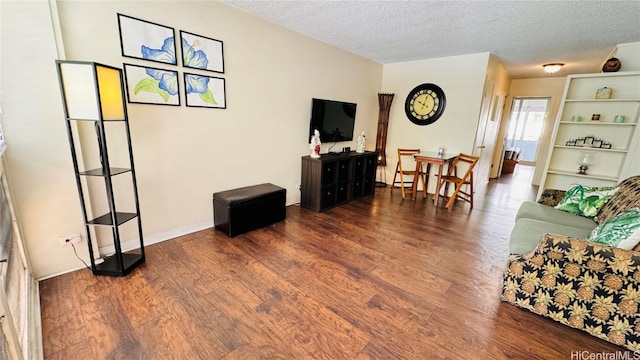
x,y
378,278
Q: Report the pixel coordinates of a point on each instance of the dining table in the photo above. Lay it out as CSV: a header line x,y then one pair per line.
x,y
429,158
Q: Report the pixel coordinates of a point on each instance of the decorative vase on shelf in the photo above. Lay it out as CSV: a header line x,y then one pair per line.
x,y
362,143
612,65
584,160
315,144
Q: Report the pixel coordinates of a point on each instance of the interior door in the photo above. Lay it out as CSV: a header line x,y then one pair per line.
x,y
485,138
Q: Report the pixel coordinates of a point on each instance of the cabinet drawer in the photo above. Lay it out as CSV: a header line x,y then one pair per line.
x,y
329,170
358,187
342,192
371,163
328,196
369,185
343,170
358,166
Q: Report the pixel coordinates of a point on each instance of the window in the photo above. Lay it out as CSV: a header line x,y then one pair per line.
x,y
526,123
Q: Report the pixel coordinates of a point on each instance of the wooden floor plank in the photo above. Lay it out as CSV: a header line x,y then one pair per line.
x,y
162,336
377,278
61,316
79,351
109,330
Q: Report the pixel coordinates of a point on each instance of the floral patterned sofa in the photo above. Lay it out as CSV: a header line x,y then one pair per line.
x,y
585,285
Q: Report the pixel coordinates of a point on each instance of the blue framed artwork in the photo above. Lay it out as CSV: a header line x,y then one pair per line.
x,y
200,52
148,85
204,91
140,39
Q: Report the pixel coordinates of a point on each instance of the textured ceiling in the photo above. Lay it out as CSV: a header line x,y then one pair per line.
x,y
523,35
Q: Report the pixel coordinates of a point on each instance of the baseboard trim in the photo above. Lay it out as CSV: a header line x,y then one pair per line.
x,y
35,348
148,240
157,238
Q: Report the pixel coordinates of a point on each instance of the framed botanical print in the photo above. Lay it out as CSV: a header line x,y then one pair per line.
x,y
148,85
604,93
200,52
141,39
204,91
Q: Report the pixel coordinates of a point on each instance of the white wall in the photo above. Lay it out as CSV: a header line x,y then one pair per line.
x,y
462,80
629,56
38,162
182,155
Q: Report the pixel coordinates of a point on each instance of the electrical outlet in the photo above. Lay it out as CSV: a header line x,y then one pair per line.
x,y
298,186
70,239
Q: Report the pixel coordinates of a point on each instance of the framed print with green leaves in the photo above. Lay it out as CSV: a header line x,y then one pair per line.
x,y
204,91
147,85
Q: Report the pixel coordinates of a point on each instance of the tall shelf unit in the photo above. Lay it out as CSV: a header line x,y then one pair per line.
x,y
108,116
334,179
609,166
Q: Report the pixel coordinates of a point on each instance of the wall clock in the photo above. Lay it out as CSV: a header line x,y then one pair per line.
x,y
425,104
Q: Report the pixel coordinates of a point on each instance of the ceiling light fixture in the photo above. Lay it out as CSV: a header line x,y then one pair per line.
x,y
552,68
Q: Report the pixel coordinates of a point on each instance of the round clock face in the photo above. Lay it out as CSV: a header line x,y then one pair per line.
x,y
425,104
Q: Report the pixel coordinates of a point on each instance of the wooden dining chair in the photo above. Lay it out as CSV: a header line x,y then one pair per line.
x,y
459,181
407,167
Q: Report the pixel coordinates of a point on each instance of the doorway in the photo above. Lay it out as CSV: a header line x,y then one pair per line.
x,y
486,134
525,126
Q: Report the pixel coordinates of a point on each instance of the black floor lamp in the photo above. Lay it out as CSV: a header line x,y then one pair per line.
x,y
93,93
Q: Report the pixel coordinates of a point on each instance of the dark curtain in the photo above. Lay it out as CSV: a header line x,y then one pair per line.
x,y
384,101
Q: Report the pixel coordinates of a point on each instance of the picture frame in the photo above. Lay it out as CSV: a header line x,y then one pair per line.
x,y
145,40
149,85
604,93
201,52
588,140
205,91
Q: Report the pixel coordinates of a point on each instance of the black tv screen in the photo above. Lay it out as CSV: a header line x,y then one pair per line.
x,y
334,119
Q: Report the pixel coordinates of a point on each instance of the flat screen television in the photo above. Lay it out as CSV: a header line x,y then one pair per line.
x,y
334,119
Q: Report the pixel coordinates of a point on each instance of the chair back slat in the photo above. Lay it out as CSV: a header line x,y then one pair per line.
x,y
467,179
407,166
408,154
469,159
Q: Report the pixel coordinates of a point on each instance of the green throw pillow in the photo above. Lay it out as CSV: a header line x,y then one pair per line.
x,y
622,231
585,201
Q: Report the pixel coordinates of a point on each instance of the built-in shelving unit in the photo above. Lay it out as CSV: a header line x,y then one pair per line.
x,y
609,166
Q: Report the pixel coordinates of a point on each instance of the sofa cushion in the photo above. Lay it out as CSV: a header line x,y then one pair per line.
x,y
585,201
588,286
622,231
527,233
536,211
627,197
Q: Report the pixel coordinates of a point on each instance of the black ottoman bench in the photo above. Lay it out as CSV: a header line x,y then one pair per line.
x,y
238,211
